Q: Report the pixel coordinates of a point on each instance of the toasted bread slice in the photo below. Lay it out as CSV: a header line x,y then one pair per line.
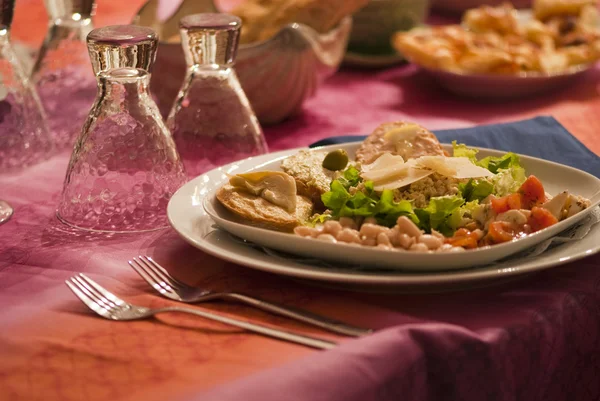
x,y
312,179
419,142
257,211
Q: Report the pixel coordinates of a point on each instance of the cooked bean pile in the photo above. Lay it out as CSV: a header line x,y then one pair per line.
x,y
405,235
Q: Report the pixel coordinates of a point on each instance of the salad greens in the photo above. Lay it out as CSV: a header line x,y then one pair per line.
x,y
365,202
351,196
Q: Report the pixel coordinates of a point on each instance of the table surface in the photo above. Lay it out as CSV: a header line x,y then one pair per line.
x,y
53,349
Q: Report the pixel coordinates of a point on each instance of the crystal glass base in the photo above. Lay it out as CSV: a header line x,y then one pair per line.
x,y
122,177
111,229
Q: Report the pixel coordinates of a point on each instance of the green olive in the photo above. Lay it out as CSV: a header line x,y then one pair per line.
x,y
336,160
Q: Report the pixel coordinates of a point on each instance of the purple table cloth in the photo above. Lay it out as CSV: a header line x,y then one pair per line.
x,y
536,338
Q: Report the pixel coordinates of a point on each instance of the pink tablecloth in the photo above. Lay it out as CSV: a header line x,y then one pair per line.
x,y
536,338
533,339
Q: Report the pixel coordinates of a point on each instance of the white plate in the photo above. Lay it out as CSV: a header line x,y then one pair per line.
x,y
555,177
189,219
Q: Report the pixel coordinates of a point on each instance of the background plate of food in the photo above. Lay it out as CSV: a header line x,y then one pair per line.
x,y
499,52
402,203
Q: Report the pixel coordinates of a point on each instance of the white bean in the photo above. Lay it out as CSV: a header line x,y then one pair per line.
x,y
386,247
456,249
405,241
327,238
445,248
332,227
430,241
370,220
383,239
304,231
418,248
371,230
369,241
405,225
349,235
437,234
348,222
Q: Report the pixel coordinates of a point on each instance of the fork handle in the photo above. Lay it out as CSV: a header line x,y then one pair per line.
x,y
297,314
313,342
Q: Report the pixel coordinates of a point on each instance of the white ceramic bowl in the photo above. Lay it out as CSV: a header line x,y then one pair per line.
x,y
278,75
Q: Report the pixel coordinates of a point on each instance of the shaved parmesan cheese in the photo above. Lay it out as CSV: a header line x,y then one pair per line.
x,y
406,132
403,137
386,166
456,167
411,175
391,172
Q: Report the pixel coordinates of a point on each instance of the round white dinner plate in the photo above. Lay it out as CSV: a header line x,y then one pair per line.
x,y
189,218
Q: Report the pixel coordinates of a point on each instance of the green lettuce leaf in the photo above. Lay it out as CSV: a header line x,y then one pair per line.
x,y
456,219
436,214
365,203
509,174
508,181
475,189
387,210
462,150
495,164
350,178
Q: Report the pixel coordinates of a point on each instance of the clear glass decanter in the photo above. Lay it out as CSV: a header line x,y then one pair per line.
x,y
62,74
124,167
211,120
24,136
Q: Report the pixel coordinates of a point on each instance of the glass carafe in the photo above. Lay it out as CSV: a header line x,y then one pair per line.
x,y
211,120
124,167
62,74
24,137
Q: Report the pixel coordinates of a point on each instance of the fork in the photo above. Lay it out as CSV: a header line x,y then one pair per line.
x,y
109,306
171,288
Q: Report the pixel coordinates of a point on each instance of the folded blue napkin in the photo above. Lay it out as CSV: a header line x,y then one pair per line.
x,y
541,137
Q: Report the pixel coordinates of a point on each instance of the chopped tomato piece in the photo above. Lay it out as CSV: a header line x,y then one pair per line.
x,y
514,201
541,218
500,205
465,242
506,203
532,192
463,237
499,231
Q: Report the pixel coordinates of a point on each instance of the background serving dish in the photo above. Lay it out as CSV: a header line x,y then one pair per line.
x,y
504,86
278,75
555,177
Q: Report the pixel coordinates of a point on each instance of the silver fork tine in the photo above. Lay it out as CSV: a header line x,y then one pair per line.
x,y
89,291
160,273
137,266
80,294
151,278
86,297
104,293
163,271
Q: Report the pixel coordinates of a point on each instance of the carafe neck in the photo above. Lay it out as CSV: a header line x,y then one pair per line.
x,y
124,86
